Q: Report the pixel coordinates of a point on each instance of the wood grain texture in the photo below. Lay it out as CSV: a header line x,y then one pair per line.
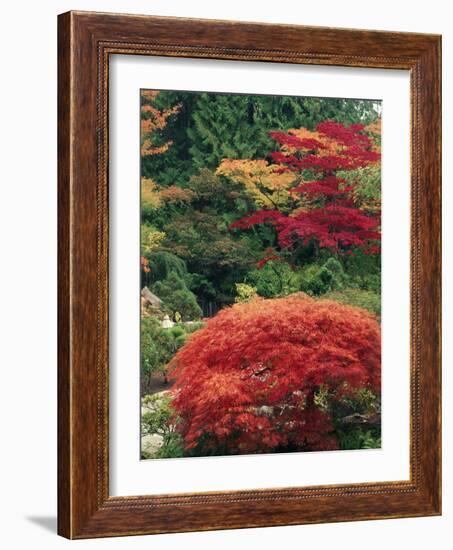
x,y
86,40
64,374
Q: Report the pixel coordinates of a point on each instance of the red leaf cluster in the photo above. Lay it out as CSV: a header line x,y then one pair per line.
x,y
336,227
294,141
337,223
328,186
338,148
247,381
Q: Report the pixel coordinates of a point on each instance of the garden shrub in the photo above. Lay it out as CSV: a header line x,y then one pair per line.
x,y
366,299
245,293
162,264
358,438
154,354
364,271
274,279
158,345
247,381
319,279
177,298
158,419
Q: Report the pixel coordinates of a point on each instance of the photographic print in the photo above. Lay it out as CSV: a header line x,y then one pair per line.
x,y
260,274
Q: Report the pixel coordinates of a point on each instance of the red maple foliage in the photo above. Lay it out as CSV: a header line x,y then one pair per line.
x,y
335,226
328,216
247,382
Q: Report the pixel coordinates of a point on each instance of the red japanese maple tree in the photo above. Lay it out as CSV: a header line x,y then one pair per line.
x,y
325,211
247,382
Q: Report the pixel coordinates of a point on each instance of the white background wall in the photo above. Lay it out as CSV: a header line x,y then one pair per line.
x,y
28,270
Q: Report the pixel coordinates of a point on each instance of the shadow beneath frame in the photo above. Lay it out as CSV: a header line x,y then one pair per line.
x,y
49,523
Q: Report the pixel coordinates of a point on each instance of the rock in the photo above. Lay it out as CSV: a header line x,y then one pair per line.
x,y
150,298
357,418
151,443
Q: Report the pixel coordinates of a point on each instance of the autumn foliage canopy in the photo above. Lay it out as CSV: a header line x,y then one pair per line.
x,y
249,380
306,197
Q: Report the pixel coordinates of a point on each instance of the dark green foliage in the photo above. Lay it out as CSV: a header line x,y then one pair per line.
x,y
175,166
177,298
158,345
172,447
222,128
364,271
217,195
237,126
274,279
359,438
209,250
319,279
163,263
367,406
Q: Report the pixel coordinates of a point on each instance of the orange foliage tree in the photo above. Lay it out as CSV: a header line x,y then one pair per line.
x,y
265,182
153,121
250,380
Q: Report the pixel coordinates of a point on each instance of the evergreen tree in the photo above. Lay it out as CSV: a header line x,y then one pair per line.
x,y
221,129
162,264
177,298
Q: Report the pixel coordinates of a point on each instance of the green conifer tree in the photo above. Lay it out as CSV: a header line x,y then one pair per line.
x,y
221,129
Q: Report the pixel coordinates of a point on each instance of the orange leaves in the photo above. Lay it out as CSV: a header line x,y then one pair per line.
x,y
374,128
149,95
148,149
248,379
154,196
265,182
175,194
152,122
145,264
327,146
374,131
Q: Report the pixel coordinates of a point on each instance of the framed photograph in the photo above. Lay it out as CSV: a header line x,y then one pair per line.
x,y
249,275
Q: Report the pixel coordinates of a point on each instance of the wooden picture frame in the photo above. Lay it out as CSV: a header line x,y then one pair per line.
x,y
85,41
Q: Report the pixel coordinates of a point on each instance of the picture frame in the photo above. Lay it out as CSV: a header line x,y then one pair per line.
x,y
86,41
